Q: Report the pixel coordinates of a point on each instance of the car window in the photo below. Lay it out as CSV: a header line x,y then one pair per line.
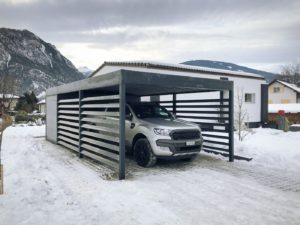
x,y
151,111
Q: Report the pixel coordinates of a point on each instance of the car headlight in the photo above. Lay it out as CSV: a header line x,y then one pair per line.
x,y
164,132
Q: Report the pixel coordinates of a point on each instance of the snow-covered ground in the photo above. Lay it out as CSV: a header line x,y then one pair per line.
x,y
47,184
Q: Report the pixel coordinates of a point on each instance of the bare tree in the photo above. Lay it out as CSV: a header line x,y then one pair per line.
x,y
7,91
291,73
241,116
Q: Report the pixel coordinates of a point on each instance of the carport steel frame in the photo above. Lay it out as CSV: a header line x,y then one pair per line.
x,y
134,83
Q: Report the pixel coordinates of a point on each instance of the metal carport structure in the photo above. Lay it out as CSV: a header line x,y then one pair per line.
x,y
76,112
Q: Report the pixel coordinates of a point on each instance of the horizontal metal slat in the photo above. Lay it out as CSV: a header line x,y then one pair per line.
x,y
215,136
213,124
108,162
68,128
202,117
101,143
101,151
68,140
97,113
68,100
68,123
68,111
101,136
68,117
213,130
110,121
202,112
68,145
216,142
99,98
196,101
76,136
108,105
105,129
201,106
215,148
68,106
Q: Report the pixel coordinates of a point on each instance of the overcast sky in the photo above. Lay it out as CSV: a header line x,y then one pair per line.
x,y
257,33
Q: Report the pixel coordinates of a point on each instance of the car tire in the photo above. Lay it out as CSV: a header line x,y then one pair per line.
x,y
143,153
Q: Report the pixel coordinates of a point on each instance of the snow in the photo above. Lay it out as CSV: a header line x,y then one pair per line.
x,y
43,101
288,108
9,96
8,60
272,148
44,52
47,184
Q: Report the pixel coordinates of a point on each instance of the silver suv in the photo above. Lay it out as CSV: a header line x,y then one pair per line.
x,y
152,132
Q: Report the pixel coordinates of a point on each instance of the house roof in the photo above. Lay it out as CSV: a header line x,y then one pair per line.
x,y
178,67
289,85
9,96
43,101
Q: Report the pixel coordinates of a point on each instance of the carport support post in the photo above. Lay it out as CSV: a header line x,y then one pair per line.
x,y
231,126
80,124
122,101
174,104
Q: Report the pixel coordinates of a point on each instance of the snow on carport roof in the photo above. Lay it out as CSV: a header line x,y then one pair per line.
x,y
178,67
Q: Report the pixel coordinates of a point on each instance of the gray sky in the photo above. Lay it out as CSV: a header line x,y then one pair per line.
x,y
261,34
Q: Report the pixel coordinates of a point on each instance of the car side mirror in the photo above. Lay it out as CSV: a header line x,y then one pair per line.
x,y
128,117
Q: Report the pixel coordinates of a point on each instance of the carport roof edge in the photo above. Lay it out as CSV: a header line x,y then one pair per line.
x,y
145,83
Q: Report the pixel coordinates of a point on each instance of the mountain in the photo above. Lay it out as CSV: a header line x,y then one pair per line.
x,y
36,64
85,70
230,66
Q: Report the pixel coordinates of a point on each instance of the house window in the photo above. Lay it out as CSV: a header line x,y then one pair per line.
x,y
276,89
250,97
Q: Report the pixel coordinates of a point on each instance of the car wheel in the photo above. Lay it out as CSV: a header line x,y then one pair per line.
x,y
143,153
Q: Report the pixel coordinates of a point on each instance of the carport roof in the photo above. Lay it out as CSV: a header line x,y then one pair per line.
x,y
144,84
178,67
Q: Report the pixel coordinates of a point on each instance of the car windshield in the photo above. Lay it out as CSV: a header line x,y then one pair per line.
x,y
151,111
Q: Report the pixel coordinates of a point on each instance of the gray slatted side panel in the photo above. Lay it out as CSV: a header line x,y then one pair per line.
x,y
100,128
68,123
211,114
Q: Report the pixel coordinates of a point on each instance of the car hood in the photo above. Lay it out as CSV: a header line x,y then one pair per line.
x,y
169,123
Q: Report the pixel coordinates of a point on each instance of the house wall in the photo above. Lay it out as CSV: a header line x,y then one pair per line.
x,y
42,108
13,103
245,85
284,96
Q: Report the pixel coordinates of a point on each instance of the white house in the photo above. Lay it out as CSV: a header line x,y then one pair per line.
x,y
9,100
251,86
42,106
281,92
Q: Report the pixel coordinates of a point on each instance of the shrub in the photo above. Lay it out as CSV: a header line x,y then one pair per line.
x,y
21,116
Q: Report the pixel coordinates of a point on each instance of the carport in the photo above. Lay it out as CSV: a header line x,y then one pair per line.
x,y
76,112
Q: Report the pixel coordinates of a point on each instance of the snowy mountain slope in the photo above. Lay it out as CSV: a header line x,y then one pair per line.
x,y
85,70
36,64
231,66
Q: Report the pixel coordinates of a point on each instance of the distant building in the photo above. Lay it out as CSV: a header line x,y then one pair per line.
x,y
281,92
42,106
9,100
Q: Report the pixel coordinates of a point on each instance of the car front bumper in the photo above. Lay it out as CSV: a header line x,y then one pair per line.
x,y
180,147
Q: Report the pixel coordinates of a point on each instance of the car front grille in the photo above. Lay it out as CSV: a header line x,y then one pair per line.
x,y
185,134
